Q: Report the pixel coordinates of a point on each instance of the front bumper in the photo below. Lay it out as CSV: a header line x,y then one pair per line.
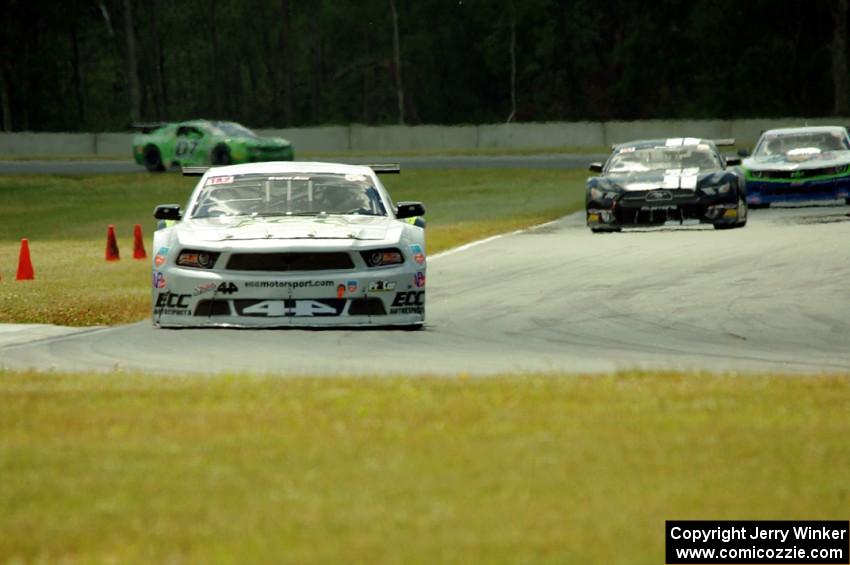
x,y
184,297
768,192
657,207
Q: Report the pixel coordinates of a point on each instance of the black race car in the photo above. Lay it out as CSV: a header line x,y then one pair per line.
x,y
652,182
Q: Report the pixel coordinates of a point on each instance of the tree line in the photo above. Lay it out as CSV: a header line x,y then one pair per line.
x,y
98,65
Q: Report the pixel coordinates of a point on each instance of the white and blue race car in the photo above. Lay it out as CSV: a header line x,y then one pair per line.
x,y
799,164
289,244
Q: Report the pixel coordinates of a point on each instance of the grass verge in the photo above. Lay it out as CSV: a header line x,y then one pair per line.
x,y
80,157
481,151
307,155
125,468
65,220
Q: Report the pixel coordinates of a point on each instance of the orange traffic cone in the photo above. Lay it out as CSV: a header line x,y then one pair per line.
x,y
25,270
138,245
111,245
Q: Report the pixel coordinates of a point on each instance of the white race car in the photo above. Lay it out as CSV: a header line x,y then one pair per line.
x,y
289,244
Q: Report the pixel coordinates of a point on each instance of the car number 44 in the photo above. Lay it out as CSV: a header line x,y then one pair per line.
x,y
300,308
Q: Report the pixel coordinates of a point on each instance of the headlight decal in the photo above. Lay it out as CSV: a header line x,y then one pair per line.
x,y
382,257
718,189
197,259
599,194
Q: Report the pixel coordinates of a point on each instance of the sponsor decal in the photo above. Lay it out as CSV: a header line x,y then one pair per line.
x,y
352,286
340,291
160,257
220,180
409,298
219,288
158,280
381,286
171,300
410,302
419,279
172,312
290,308
171,304
204,288
418,253
288,284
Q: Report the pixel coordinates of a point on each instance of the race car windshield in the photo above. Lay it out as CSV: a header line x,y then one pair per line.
x,y
643,159
816,142
234,129
288,195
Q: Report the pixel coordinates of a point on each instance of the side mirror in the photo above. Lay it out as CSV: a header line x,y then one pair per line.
x,y
732,161
595,167
168,212
409,210
742,152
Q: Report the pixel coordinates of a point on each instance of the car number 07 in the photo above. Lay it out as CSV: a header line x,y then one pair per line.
x,y
185,147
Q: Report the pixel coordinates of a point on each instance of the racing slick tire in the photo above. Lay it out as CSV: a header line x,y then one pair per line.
x,y
153,159
221,155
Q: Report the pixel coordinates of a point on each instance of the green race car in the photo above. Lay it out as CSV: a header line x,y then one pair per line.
x,y
204,142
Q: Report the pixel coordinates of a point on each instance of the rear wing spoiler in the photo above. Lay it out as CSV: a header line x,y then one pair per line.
x,y
380,169
725,142
147,127
385,168
195,171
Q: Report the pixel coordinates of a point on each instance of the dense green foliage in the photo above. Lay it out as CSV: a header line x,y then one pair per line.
x,y
293,63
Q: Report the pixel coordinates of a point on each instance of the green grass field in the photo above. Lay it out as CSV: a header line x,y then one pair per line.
x,y
65,219
479,151
78,157
138,469
343,155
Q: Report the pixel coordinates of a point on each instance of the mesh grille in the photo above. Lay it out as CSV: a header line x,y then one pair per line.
x,y
283,262
212,308
367,307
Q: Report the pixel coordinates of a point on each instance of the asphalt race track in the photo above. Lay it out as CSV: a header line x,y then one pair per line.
x,y
772,296
549,161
